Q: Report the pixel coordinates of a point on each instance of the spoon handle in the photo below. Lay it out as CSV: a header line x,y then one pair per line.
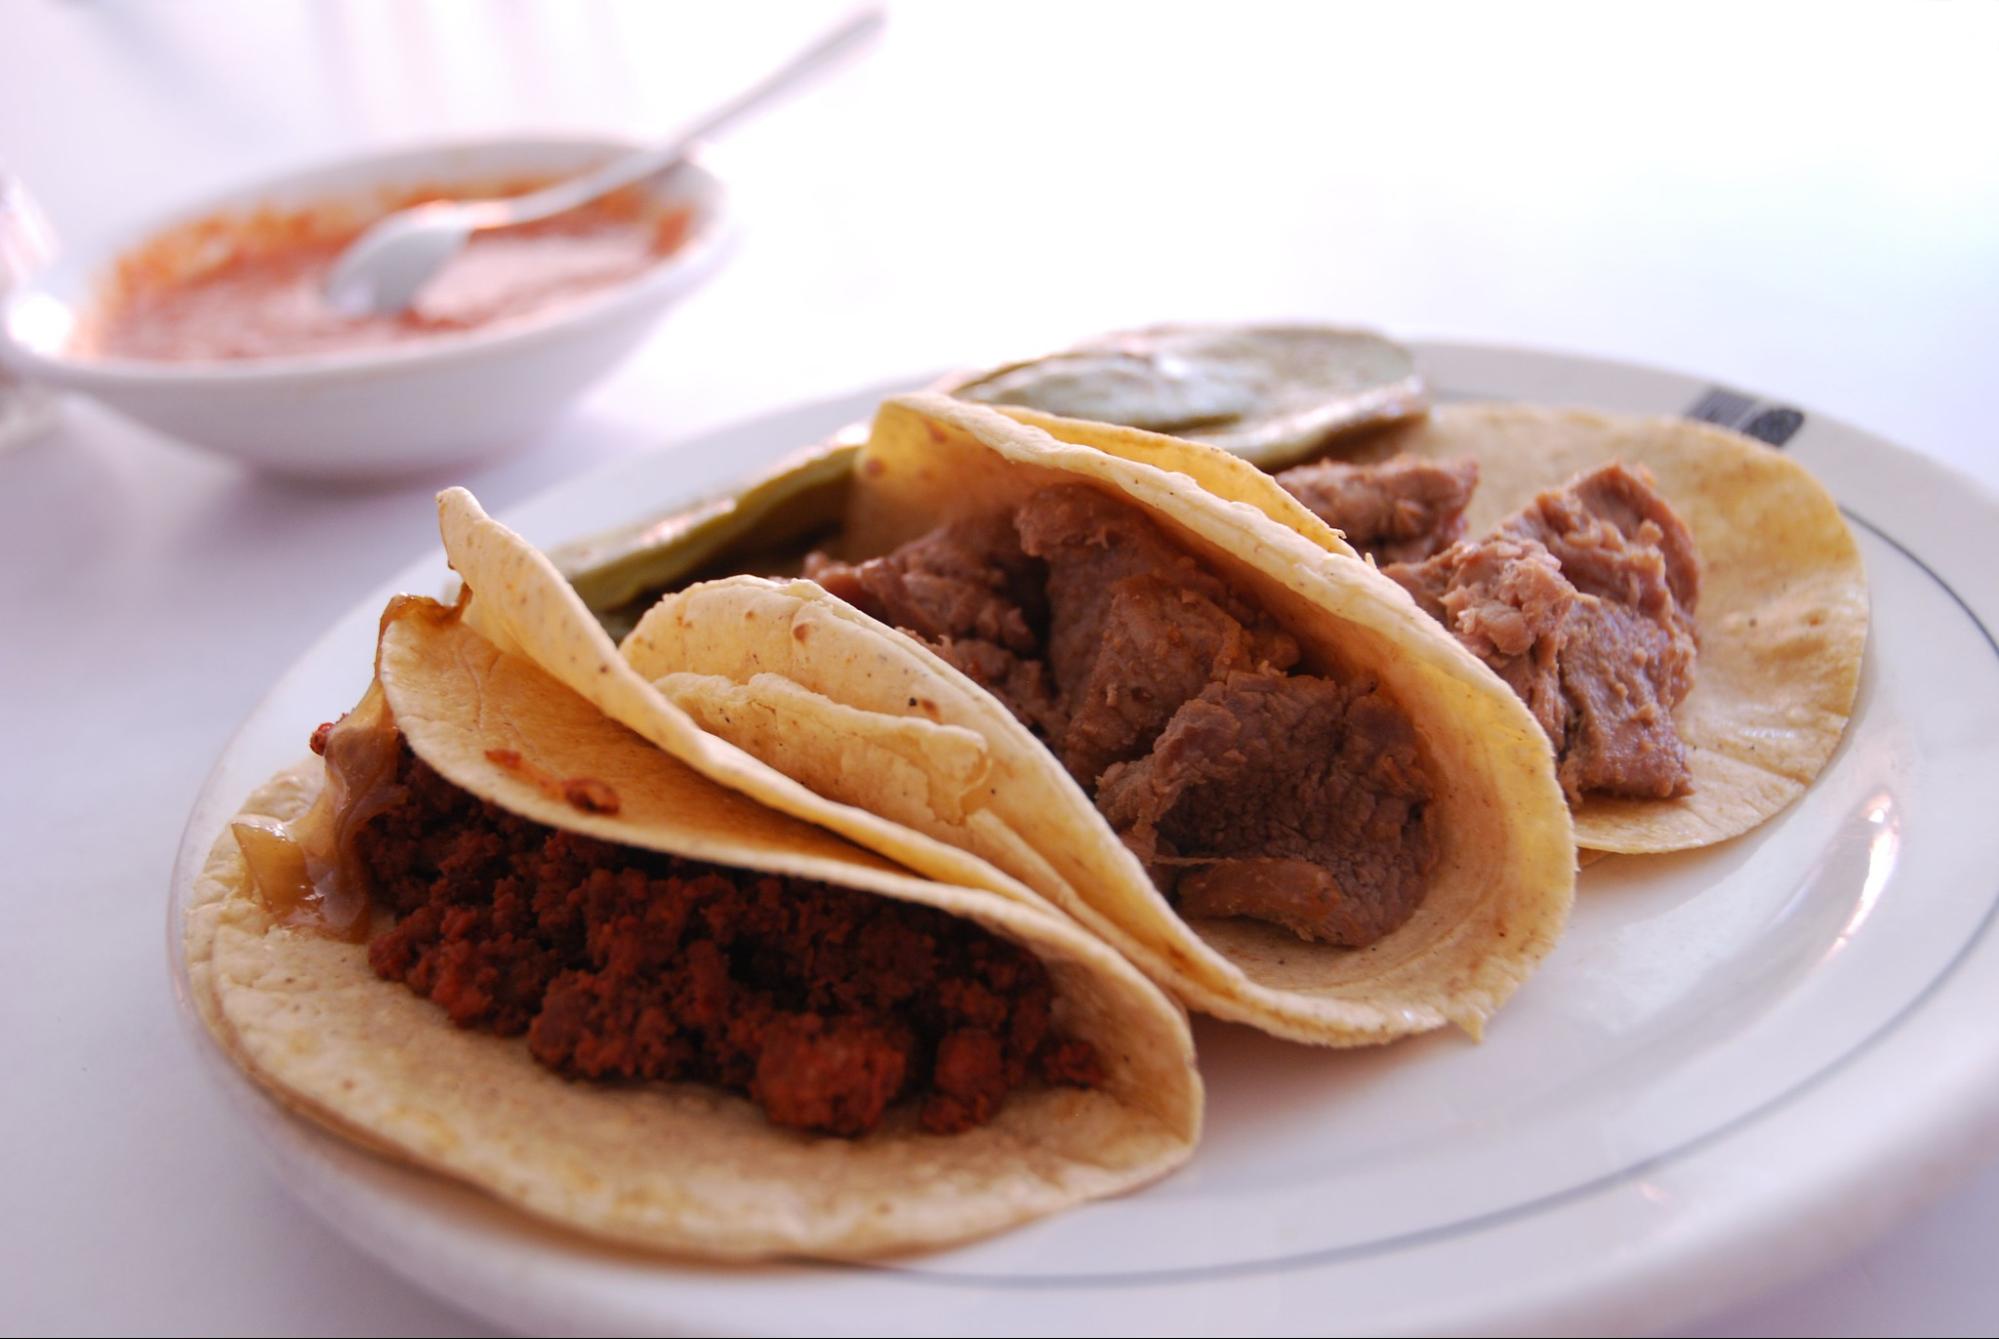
x,y
563,196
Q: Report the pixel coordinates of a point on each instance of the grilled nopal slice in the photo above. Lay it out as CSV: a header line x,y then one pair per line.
x,y
1272,394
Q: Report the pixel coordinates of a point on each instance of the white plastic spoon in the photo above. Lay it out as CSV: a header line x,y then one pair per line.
x,y
382,270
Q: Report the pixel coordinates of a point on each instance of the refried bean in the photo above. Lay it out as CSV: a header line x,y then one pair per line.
x,y
824,1005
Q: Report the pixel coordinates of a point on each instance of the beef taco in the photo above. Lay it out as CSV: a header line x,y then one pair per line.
x,y
497,935
1683,608
1198,725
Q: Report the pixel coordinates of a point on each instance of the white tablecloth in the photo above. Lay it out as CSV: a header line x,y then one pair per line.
x,y
1801,201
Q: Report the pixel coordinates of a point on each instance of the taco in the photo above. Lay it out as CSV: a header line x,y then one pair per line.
x,y
1683,608
499,936
1150,686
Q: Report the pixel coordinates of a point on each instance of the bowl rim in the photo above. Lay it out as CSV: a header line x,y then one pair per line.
x,y
702,188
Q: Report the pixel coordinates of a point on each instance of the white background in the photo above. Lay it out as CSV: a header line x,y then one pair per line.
x,y
1800,201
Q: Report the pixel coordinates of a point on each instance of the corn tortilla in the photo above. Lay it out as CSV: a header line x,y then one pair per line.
x,y
1783,605
683,1168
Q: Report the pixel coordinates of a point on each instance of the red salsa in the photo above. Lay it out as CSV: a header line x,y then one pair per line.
x,y
243,286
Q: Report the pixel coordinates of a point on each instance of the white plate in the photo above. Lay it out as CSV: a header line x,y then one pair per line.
x,y
1738,1063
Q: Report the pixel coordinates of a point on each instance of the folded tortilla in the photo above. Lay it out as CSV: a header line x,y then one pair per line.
x,y
680,1167
872,717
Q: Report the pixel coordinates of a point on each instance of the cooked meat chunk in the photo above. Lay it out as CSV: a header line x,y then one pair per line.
x,y
968,590
1398,511
970,1078
967,580
833,1074
1507,600
1020,682
1136,626
1092,544
1623,673
1292,799
1248,789
1152,647
1583,602
1618,539
823,1005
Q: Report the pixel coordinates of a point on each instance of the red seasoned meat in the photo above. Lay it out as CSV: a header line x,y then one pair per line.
x,y
835,1074
822,1004
1400,510
1292,799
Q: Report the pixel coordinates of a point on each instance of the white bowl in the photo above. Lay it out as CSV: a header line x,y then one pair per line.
x,y
391,410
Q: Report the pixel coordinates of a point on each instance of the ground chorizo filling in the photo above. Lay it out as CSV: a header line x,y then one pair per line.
x,y
1582,601
823,1005
1248,787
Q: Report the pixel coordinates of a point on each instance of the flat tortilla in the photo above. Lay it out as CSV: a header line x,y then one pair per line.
x,y
827,695
678,1167
1783,605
